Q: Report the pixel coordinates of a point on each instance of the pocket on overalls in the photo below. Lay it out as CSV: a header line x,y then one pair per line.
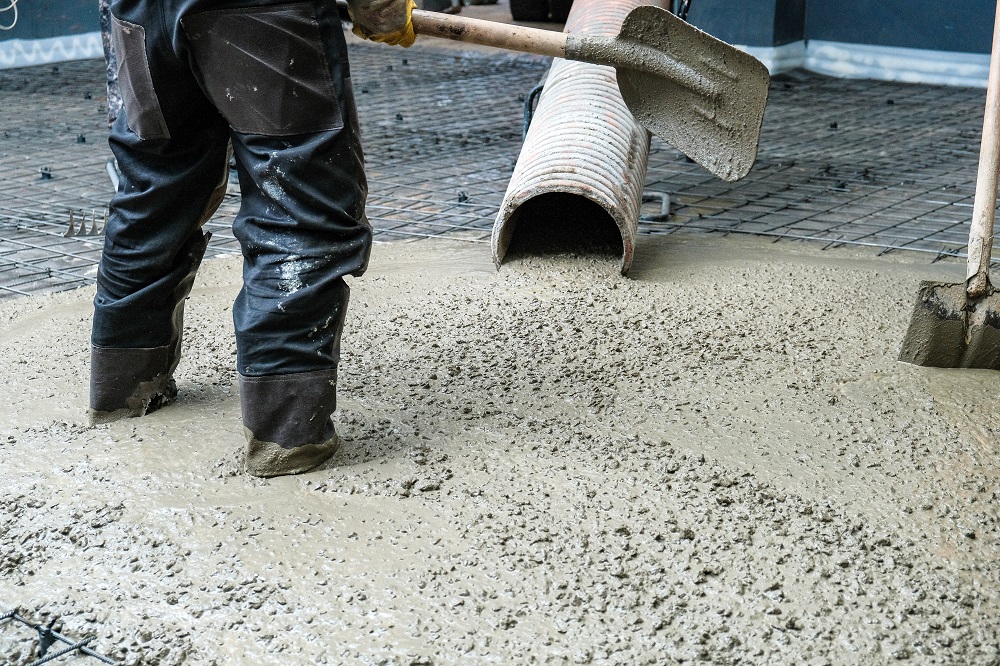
x,y
142,107
265,69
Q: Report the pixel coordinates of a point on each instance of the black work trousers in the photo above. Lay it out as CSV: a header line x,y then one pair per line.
x,y
272,79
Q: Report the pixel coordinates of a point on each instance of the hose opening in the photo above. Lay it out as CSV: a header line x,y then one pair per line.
x,y
563,223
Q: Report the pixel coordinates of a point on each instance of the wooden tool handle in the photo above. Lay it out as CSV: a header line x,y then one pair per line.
x,y
490,33
981,234
487,33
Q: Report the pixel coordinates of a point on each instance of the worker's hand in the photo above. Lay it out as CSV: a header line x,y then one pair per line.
x,y
388,21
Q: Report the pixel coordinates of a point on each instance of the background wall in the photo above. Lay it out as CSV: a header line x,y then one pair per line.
x,y
38,19
789,21
929,41
919,41
964,26
736,21
50,31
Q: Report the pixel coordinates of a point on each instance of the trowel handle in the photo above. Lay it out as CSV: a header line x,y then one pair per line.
x,y
981,234
487,33
490,33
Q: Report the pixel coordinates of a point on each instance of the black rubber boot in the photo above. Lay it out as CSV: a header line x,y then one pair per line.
x,y
130,382
286,419
134,381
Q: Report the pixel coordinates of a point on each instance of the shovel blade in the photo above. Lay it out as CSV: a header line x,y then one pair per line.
x,y
982,348
936,336
713,111
947,330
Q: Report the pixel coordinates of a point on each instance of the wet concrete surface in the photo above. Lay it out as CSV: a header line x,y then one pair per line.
x,y
716,461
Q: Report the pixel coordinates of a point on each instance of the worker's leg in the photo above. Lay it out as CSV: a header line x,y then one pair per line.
x,y
171,148
280,76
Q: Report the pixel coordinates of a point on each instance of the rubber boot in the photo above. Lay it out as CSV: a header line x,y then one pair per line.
x,y
130,382
286,420
134,381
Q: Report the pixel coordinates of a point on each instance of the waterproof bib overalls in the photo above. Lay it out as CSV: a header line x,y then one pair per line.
x,y
272,80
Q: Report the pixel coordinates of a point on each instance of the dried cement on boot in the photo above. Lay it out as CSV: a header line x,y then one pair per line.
x,y
148,397
267,459
718,460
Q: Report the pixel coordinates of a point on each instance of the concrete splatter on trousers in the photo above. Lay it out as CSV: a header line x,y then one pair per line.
x,y
111,63
273,80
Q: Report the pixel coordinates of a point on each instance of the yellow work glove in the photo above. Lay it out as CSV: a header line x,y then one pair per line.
x,y
387,21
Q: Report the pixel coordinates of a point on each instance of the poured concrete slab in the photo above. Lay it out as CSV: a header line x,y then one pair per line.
x,y
718,459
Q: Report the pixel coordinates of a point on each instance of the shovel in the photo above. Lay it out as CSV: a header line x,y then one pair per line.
x,y
958,325
700,95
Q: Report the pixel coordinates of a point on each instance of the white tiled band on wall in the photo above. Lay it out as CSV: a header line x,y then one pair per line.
x,y
27,52
853,61
881,63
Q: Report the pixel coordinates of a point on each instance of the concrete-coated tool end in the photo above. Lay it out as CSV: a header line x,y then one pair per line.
x,y
936,336
982,348
947,330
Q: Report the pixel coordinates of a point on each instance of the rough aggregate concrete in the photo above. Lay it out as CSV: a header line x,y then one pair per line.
x,y
716,461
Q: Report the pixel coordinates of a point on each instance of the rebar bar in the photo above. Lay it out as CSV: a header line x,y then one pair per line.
x,y
47,632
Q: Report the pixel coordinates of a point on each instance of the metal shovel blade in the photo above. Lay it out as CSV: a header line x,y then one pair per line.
x,y
697,93
949,330
702,96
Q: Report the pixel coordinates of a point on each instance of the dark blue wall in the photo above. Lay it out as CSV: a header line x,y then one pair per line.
x,y
789,21
959,25
51,18
736,21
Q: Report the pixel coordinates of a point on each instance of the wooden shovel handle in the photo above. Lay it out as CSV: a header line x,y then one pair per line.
x,y
490,33
487,33
981,234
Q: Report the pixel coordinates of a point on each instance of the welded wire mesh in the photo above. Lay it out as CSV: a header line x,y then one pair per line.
x,y
886,165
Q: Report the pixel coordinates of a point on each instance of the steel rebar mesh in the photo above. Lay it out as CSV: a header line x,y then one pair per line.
x,y
889,165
